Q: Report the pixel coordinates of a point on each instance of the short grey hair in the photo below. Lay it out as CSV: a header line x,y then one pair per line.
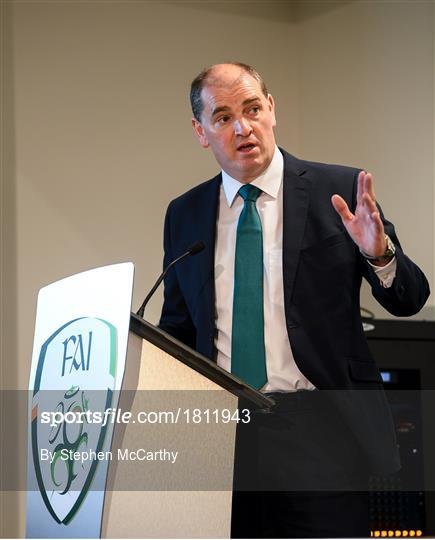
x,y
199,81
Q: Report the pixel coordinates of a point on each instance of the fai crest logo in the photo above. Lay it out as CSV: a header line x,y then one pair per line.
x,y
75,375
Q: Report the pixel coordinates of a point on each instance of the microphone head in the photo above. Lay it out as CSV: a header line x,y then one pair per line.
x,y
196,248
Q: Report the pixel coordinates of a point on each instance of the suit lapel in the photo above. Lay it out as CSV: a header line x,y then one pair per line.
x,y
296,197
207,233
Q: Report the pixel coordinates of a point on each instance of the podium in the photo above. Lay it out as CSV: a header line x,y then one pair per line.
x,y
159,461
193,507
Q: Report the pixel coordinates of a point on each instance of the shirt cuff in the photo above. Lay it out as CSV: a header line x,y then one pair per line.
x,y
387,273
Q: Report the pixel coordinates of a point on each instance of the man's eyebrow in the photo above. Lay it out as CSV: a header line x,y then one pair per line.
x,y
250,100
218,110
225,108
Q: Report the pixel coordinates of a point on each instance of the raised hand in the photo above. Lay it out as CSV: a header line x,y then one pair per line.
x,y
365,226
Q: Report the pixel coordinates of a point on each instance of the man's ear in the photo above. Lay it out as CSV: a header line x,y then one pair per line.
x,y
200,133
271,103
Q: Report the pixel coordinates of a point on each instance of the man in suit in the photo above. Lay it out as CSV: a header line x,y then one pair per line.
x,y
274,298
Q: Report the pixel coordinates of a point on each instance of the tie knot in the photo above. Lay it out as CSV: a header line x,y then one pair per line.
x,y
249,192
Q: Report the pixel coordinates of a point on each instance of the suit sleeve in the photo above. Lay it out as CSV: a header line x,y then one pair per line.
x,y
175,318
410,288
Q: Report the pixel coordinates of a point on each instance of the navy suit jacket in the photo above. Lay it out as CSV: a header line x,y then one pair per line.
x,y
322,272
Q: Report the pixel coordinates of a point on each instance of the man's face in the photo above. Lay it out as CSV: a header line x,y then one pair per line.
x,y
237,122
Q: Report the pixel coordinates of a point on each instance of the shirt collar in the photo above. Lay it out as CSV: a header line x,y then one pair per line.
x,y
269,181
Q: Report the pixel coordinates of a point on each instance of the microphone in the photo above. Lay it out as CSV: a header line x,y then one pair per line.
x,y
195,248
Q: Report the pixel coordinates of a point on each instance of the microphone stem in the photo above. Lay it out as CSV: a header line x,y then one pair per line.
x,y
141,310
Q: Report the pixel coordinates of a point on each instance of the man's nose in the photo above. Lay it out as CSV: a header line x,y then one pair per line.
x,y
242,127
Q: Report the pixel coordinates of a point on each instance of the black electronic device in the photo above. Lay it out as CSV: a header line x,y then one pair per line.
x,y
403,505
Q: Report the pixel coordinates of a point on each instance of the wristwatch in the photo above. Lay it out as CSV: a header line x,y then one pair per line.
x,y
389,253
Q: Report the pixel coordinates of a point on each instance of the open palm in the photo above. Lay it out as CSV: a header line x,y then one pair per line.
x,y
364,226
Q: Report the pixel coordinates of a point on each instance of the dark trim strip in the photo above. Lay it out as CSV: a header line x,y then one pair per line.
x,y
399,329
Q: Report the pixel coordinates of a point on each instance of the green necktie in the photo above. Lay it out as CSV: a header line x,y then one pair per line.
x,y
248,356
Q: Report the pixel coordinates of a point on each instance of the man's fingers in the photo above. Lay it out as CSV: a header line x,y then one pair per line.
x,y
341,208
368,186
360,187
365,186
379,226
371,205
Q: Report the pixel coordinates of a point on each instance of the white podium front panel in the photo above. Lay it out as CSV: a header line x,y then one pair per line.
x,y
78,365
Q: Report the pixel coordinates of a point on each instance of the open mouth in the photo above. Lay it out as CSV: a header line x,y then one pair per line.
x,y
245,148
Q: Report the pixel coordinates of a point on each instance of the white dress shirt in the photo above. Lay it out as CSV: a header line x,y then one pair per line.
x,y
282,373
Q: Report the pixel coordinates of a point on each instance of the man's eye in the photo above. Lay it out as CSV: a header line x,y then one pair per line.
x,y
255,110
223,119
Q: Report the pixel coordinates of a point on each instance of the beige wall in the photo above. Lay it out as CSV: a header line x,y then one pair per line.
x,y
366,99
96,125
102,124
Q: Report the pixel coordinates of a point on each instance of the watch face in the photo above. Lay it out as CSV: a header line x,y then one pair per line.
x,y
390,251
391,248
